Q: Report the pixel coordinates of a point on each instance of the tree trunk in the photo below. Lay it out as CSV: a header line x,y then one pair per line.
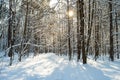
x,y
96,31
24,33
69,30
89,27
10,53
78,32
84,56
117,49
111,52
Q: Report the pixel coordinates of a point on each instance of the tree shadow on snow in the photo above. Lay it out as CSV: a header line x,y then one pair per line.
x,y
76,72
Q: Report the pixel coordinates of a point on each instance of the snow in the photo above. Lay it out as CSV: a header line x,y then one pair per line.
x,y
53,2
52,67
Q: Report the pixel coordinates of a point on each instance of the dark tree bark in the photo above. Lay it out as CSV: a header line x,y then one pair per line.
x,y
117,48
78,32
69,30
96,31
111,52
26,20
96,42
84,56
89,27
10,53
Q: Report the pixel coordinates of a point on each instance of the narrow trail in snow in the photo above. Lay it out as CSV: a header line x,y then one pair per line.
x,y
52,67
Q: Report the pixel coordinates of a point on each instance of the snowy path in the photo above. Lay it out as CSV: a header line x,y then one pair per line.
x,y
52,67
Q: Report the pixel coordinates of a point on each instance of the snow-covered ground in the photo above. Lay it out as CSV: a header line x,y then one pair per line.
x,y
52,67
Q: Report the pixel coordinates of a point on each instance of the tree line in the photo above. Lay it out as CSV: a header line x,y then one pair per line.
x,y
33,26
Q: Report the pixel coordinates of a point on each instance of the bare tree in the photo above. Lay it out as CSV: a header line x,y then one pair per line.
x,y
117,47
78,32
82,26
111,52
69,30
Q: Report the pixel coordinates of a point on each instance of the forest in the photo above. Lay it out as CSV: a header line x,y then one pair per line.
x,y
75,30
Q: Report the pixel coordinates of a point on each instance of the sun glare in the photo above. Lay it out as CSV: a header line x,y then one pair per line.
x,y
70,13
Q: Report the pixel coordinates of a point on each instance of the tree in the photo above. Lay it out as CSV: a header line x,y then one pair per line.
x,y
97,26
89,27
111,52
69,30
10,40
78,32
23,39
82,38
117,48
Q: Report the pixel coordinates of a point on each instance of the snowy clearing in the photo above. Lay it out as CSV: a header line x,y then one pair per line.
x,y
52,67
